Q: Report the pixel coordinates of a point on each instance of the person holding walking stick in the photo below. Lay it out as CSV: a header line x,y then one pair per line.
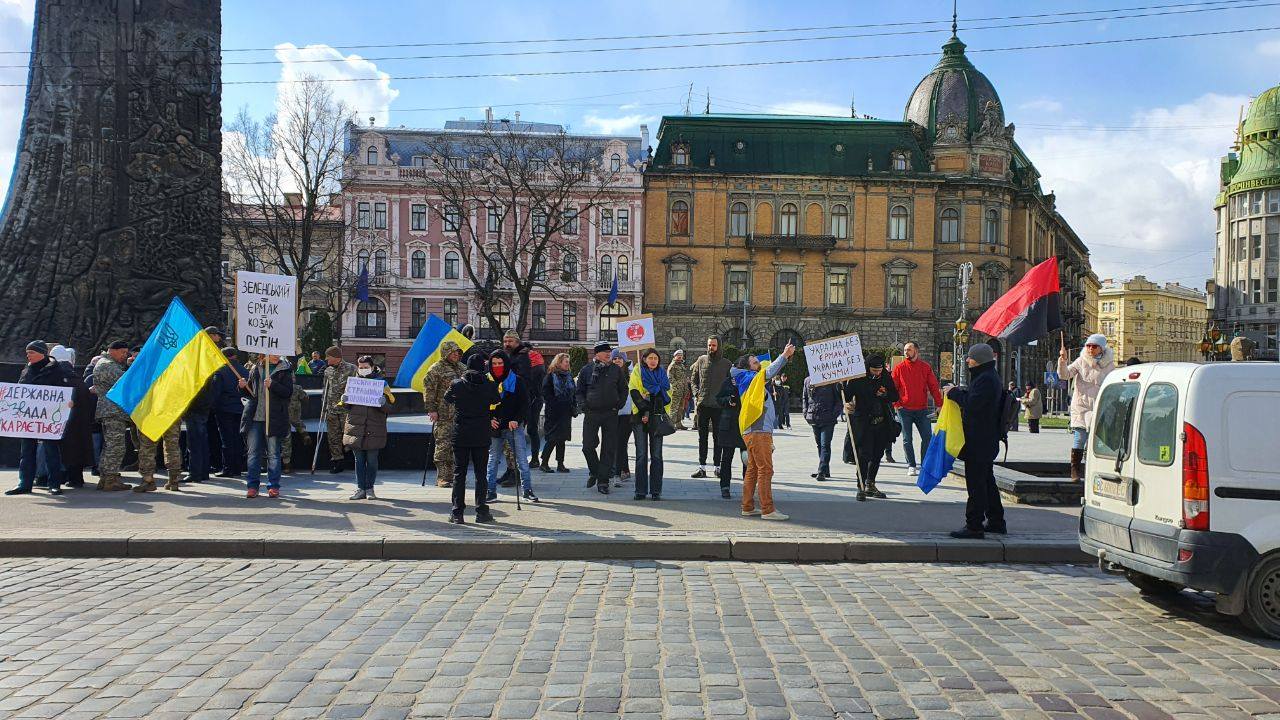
x,y
872,428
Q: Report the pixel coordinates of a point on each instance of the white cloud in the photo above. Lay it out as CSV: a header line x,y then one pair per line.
x,y
16,17
366,98
1141,194
1042,105
1269,48
806,107
625,125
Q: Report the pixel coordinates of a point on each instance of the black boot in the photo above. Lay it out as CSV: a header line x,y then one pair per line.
x,y
335,466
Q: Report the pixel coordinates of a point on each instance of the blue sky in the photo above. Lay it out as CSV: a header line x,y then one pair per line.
x,y
1127,135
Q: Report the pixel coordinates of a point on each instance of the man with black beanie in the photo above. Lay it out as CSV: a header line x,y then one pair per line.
x,y
980,409
601,393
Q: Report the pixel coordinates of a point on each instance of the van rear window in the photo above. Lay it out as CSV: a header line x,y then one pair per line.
x,y
1112,416
1158,428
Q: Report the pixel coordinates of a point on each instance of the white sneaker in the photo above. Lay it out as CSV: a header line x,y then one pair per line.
x,y
912,471
369,495
357,495
775,515
750,513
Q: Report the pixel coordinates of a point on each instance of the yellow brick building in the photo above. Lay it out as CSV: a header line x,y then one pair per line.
x,y
1151,321
827,225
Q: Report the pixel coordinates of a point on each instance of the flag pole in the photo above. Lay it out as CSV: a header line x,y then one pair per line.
x,y
321,429
266,394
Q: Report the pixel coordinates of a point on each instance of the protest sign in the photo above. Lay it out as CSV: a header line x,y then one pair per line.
x,y
636,333
266,313
34,411
834,359
363,391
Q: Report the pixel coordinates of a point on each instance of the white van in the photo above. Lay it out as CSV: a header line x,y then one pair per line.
x,y
1182,483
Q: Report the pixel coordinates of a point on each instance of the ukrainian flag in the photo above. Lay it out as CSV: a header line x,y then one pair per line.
x,y
944,448
426,351
751,389
172,368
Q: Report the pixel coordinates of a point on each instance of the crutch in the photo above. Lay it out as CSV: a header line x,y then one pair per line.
x,y
853,443
321,430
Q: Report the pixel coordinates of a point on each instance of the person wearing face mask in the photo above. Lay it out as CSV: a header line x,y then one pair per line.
x,y
511,410
980,411
650,395
365,432
1087,373
871,402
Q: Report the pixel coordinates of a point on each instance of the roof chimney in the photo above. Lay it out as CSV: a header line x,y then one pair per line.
x,y
644,137
517,116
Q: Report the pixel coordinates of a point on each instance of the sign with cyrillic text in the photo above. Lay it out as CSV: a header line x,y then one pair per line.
x,y
833,360
39,412
266,313
363,391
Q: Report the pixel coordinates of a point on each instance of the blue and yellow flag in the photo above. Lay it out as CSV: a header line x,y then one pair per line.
x,y
172,368
751,389
426,351
944,448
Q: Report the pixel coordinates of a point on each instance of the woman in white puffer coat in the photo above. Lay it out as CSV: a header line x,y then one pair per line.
x,y
1087,373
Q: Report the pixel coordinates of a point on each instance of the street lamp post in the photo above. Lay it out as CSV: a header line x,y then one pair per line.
x,y
960,336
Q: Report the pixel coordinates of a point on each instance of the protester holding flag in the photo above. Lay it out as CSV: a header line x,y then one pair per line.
x,y
473,398
511,409
757,420
1088,371
650,394
114,420
872,426
41,370
265,421
435,384
365,432
980,408
728,434
331,407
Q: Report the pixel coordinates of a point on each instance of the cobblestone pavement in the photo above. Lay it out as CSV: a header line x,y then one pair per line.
x,y
223,639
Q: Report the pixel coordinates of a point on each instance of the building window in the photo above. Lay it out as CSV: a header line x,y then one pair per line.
x,y
948,292
679,218
609,317
493,220
788,287
680,155
840,222
900,161
898,297
615,163
539,269
606,222
624,267
738,220
569,315
1273,201
1273,238
451,264
419,161
1271,290
950,226
1256,294
537,165
418,314
380,262
418,217
788,220
371,156
898,219
380,216
571,221
539,314
624,222
418,265
452,218
450,313
606,270
362,215
371,319
737,283
990,289
362,261
570,265
678,279
538,219
1255,238
991,227
838,287
1255,202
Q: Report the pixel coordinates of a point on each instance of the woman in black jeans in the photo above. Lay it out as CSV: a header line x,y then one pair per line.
x,y
650,395
558,390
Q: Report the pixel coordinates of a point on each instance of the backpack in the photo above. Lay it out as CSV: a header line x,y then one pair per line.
x,y
1009,408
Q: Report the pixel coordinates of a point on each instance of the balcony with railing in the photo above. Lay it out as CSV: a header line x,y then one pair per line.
x,y
554,335
605,285
793,242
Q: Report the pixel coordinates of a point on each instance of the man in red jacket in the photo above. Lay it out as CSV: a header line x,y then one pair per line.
x,y
916,383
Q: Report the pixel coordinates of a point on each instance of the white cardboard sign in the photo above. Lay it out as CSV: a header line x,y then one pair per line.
x,y
34,411
834,359
636,333
364,391
266,313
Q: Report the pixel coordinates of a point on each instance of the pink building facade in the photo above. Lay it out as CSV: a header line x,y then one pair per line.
x,y
395,225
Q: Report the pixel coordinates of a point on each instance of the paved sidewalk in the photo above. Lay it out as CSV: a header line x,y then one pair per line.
x,y
315,519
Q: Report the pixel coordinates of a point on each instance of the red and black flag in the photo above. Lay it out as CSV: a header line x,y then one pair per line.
x,y
1029,310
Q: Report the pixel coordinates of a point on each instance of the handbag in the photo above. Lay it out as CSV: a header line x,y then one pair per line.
x,y
661,424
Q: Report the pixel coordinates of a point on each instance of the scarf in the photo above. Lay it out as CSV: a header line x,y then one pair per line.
x,y
506,385
562,382
655,384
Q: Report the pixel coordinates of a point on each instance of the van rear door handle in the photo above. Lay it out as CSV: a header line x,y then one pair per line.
x,y
1111,477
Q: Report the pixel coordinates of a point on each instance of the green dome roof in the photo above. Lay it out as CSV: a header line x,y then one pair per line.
x,y
1260,144
957,94
1264,113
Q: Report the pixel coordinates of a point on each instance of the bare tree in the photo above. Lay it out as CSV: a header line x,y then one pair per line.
x,y
539,190
280,174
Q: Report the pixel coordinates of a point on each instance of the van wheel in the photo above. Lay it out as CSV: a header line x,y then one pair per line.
x,y
1262,598
1148,585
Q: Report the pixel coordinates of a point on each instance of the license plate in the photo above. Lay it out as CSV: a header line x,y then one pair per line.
x,y
1111,490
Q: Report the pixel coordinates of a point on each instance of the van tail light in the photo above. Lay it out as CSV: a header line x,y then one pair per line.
x,y
1195,479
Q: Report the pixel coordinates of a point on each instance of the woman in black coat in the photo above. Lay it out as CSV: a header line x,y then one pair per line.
x,y
728,435
873,426
558,389
475,396
77,441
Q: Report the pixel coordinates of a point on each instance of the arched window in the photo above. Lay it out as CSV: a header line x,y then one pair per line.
x,y
623,267
380,262
789,217
679,218
738,220
371,319
840,222
950,226
898,218
451,266
615,163
609,316
418,265
991,227
371,157
362,260
900,161
570,266
680,154
606,271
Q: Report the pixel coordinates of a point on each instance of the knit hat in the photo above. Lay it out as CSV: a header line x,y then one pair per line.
x,y
982,354
1097,339
38,346
215,330
875,361
601,347
118,345
617,355
475,363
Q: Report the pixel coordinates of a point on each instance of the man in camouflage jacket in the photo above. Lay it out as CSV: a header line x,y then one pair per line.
x,y
115,422
434,385
333,411
678,373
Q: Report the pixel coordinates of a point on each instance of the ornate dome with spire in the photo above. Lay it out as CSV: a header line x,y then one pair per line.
x,y
955,103
1260,140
